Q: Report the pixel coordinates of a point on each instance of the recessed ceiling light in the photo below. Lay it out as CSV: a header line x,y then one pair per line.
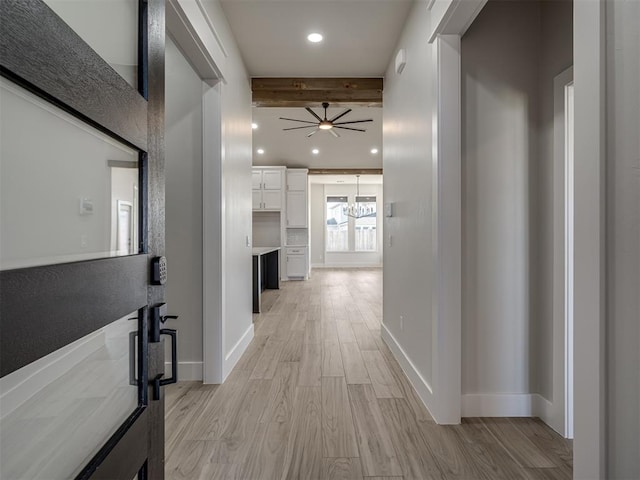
x,y
314,37
260,151
315,151
374,150
254,125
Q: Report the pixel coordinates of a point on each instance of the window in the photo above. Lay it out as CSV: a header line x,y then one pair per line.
x,y
337,225
365,226
346,233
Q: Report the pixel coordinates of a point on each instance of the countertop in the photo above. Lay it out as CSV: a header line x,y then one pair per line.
x,y
257,251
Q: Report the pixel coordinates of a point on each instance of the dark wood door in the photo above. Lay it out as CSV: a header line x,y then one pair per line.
x,y
45,308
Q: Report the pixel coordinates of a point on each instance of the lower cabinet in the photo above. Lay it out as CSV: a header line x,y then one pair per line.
x,y
296,262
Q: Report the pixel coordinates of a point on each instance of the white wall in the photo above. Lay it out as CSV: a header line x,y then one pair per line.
x,y
236,159
183,171
623,237
407,162
266,229
317,202
316,223
203,31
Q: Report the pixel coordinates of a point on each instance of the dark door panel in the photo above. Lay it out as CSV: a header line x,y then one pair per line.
x,y
32,39
45,308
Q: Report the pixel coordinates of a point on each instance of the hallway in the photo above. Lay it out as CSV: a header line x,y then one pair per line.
x,y
318,395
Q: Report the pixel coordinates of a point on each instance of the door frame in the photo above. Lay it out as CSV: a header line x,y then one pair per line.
x,y
36,316
186,35
453,17
558,413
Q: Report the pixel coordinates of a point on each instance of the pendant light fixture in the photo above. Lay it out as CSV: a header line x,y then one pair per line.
x,y
358,209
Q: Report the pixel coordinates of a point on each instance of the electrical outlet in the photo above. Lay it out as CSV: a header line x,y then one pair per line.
x,y
389,240
401,323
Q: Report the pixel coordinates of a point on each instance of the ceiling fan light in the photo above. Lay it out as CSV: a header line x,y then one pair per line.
x,y
325,125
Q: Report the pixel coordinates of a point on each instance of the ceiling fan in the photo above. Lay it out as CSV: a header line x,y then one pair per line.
x,y
324,124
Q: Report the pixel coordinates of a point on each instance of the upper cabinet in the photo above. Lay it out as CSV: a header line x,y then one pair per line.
x,y
297,207
267,188
297,179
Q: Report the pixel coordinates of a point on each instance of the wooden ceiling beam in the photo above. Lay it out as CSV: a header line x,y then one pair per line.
x,y
311,92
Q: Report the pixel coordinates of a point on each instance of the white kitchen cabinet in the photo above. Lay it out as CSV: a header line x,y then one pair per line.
x,y
296,262
297,210
267,188
297,179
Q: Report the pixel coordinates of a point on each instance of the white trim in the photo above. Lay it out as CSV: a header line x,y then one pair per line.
x,y
185,36
453,17
569,261
212,27
556,415
446,190
236,351
187,371
212,223
505,405
420,384
17,387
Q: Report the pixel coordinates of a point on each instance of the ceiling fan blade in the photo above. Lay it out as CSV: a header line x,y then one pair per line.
x,y
313,132
354,121
340,116
348,128
334,133
298,128
313,113
296,120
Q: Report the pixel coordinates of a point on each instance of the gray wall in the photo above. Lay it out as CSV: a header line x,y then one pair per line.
x,y
510,56
500,55
623,239
556,55
183,169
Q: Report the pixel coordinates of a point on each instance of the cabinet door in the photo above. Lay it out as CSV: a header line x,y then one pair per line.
x,y
297,181
272,199
272,179
257,199
297,209
256,179
296,266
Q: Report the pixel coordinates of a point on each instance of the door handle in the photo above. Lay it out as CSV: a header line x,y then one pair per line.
x,y
159,381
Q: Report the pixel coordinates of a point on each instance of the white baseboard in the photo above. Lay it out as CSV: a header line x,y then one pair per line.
x,y
187,371
236,352
420,384
506,405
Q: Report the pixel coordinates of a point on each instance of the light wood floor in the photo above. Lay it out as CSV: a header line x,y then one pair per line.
x,y
318,395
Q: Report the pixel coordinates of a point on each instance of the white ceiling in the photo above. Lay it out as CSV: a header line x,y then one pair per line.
x,y
360,37
293,148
